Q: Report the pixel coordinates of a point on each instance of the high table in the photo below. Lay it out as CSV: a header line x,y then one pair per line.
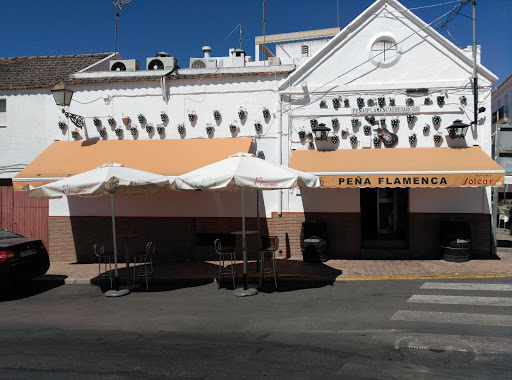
x,y
242,292
125,239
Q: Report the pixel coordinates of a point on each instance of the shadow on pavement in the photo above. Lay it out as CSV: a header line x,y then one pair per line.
x,y
31,288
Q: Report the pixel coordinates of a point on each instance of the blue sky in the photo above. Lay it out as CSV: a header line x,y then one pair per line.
x,y
181,28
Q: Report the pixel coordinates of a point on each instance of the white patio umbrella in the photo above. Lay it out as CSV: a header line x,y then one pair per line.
x,y
244,170
106,179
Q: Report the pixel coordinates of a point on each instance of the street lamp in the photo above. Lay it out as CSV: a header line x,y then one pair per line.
x,y
62,96
457,130
321,131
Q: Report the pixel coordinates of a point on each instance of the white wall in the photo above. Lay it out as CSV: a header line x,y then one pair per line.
x,y
172,204
462,200
31,126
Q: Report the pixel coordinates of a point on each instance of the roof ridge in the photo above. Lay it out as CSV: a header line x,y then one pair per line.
x,y
56,56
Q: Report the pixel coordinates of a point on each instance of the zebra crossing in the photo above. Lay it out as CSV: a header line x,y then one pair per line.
x,y
498,307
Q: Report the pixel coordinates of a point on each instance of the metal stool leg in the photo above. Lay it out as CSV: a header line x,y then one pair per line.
x,y
233,271
274,265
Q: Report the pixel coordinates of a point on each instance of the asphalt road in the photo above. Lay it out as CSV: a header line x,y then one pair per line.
x,y
459,329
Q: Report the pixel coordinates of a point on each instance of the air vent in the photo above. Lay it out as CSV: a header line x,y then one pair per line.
x,y
124,65
160,63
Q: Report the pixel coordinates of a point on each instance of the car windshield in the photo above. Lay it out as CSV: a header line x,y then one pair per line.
x,y
4,234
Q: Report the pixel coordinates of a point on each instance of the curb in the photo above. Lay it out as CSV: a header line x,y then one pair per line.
x,y
292,277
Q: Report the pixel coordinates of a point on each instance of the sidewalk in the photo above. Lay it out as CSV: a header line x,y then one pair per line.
x,y
332,270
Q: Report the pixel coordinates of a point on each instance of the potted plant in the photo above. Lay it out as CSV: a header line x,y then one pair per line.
x,y
216,115
111,121
410,118
258,127
96,121
346,102
355,122
181,128
344,132
436,119
232,128
209,129
335,139
191,116
313,123
75,134
163,116
126,120
413,139
367,130
160,129
266,113
302,135
242,113
336,102
409,101
382,101
426,128
323,104
353,139
133,130
395,122
149,128
360,102
437,138
427,101
119,132
370,119
62,125
376,141
335,122
463,99
392,102
103,132
382,120
141,118
440,100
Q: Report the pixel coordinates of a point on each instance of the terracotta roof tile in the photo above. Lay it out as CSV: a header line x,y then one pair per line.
x,y
42,72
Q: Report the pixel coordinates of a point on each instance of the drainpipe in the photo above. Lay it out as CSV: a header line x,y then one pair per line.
x,y
280,152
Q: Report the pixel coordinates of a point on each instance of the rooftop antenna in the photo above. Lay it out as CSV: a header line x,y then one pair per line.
x,y
119,5
241,39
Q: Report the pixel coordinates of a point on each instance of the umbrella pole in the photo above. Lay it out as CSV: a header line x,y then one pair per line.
x,y
258,240
244,242
116,279
246,291
115,292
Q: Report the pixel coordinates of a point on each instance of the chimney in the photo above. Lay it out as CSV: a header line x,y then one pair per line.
x,y
207,50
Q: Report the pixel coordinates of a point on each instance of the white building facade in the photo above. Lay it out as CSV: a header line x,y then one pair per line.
x,y
382,91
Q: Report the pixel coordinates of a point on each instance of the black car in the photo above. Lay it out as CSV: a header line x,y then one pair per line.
x,y
21,258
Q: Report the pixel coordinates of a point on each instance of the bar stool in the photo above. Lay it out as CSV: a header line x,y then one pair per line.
x,y
103,259
270,254
225,254
145,261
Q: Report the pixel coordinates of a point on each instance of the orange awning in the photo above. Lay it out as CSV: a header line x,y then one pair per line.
x,y
401,167
166,157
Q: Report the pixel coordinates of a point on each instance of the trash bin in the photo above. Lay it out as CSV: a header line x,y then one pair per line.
x,y
456,241
313,241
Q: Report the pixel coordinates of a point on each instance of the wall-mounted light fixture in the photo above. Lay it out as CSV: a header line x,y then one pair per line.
x,y
321,131
62,96
457,130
